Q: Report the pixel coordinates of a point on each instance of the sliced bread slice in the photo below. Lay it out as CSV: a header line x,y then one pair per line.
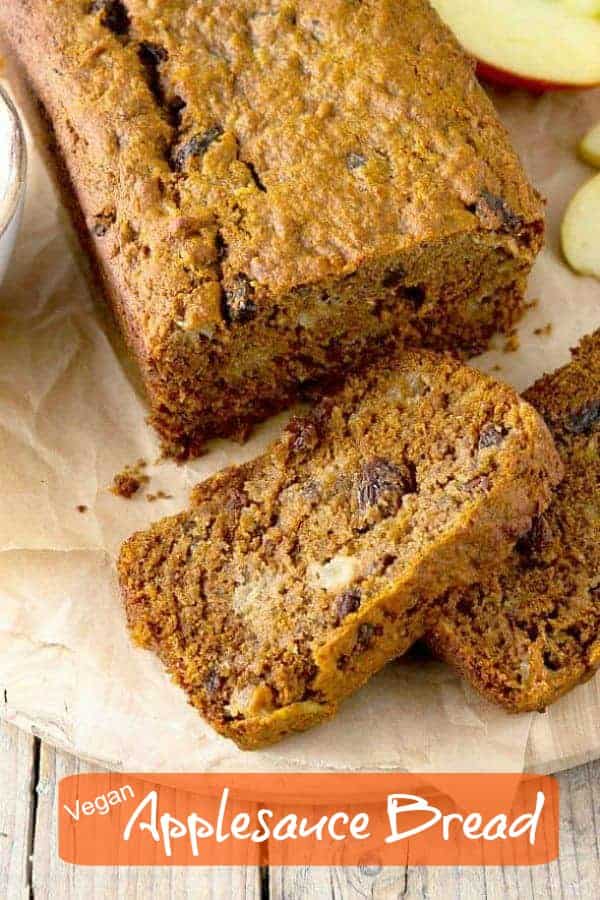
x,y
295,577
532,632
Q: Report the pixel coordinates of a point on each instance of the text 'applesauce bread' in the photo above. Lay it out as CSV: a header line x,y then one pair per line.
x,y
532,632
295,577
273,191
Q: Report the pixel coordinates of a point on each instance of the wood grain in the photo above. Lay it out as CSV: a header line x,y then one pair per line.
x,y
17,801
575,876
28,825
53,878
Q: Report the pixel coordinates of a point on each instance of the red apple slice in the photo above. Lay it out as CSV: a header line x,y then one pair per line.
x,y
589,148
580,232
536,44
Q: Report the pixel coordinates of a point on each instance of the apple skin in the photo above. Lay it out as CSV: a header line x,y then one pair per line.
x,y
501,77
538,45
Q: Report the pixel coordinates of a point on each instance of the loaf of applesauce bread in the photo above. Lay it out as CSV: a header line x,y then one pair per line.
x,y
276,191
532,631
295,577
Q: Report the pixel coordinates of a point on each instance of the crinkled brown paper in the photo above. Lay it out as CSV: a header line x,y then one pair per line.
x,y
70,418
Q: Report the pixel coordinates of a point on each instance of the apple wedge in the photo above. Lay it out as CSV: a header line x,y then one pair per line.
x,y
583,7
589,148
536,44
581,229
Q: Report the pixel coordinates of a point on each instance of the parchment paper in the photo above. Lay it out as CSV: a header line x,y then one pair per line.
x,y
70,418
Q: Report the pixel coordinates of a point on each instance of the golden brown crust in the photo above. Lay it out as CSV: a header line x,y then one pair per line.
x,y
532,632
272,192
292,579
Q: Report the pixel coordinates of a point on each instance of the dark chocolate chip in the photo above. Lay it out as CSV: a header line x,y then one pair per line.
x,y
381,483
534,544
491,436
585,419
238,302
355,161
347,603
196,147
490,204
113,15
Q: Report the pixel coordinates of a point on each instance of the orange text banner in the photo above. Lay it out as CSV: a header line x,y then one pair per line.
x,y
298,819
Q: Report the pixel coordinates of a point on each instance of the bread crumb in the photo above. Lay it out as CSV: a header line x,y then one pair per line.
x,y
512,343
128,482
159,495
544,330
496,368
81,508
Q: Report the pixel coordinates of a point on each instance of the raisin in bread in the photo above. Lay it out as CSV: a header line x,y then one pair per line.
x,y
295,577
532,632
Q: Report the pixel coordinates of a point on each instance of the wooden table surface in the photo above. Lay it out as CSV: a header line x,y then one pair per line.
x,y
30,867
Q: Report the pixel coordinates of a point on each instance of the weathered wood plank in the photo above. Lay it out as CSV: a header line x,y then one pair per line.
x,y
17,783
53,878
575,876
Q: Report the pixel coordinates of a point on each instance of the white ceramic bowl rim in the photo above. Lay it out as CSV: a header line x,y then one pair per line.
x,y
18,163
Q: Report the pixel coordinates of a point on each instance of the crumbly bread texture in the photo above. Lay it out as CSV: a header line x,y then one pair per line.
x,y
275,190
532,632
295,577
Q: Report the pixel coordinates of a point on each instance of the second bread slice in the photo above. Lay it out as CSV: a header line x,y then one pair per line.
x,y
294,578
531,632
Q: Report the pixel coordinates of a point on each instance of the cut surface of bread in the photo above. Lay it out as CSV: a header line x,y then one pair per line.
x,y
295,577
532,632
